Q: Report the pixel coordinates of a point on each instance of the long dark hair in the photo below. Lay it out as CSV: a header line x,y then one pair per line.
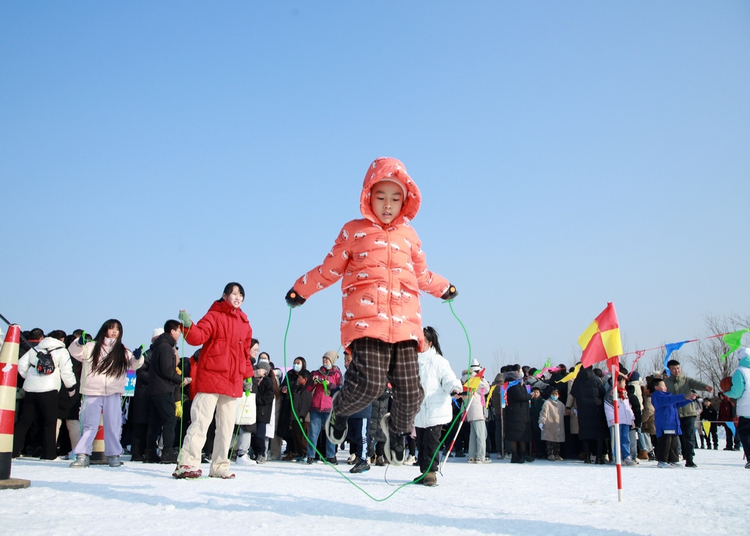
x,y
115,363
432,337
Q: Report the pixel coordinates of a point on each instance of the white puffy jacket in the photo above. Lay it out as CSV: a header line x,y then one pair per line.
x,y
438,381
42,383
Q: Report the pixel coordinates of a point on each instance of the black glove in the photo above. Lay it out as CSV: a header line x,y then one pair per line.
x,y
138,351
293,299
450,293
82,339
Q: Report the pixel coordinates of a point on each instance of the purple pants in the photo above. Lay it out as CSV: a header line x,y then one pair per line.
x,y
109,409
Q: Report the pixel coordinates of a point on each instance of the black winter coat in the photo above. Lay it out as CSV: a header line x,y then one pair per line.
x,y
138,411
286,420
517,413
163,376
264,394
589,392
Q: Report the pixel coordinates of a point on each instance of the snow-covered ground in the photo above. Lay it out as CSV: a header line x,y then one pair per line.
x,y
288,498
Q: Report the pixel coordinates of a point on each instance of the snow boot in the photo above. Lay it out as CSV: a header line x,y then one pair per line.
x,y
81,461
168,456
430,479
150,456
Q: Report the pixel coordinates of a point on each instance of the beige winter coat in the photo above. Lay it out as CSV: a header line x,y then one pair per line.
x,y
552,418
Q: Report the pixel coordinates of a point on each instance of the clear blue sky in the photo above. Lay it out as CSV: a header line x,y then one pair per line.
x,y
568,153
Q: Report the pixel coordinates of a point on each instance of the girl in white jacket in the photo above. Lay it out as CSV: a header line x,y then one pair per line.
x,y
105,365
438,382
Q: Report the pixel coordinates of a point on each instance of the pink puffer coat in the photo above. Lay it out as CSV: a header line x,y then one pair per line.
x,y
382,268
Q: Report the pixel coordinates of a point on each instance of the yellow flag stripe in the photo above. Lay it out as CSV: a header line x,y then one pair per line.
x,y
583,340
612,342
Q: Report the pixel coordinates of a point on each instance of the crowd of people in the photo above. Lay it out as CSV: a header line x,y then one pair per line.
x,y
522,414
397,402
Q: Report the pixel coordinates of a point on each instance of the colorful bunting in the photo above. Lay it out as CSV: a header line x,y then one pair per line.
x,y
601,340
672,347
734,341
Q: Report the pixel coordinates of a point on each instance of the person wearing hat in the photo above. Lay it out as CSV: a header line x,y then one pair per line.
x,y
476,418
327,378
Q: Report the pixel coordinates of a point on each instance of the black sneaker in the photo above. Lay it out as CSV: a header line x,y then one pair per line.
x,y
332,460
360,467
394,443
690,464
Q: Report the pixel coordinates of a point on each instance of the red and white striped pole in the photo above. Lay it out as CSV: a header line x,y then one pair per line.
x,y
615,364
8,374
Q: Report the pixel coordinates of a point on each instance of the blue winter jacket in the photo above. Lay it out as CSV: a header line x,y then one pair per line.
x,y
666,416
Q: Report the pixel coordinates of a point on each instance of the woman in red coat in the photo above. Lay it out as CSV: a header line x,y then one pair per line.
x,y
224,363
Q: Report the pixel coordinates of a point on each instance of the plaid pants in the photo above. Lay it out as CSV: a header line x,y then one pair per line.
x,y
374,363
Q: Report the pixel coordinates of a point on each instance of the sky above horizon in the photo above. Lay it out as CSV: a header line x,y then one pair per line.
x,y
568,155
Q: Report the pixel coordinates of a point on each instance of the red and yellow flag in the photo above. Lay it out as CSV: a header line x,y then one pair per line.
x,y
601,340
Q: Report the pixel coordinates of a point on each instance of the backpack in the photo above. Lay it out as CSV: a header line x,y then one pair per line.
x,y
45,364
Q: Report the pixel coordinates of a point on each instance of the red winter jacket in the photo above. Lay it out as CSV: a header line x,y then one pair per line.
x,y
320,400
224,361
382,269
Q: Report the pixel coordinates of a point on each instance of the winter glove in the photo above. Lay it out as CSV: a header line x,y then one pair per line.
x,y
178,409
137,352
82,339
293,299
541,426
450,294
184,317
247,385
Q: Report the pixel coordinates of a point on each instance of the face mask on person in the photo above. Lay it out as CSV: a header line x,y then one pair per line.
x,y
552,397
328,366
297,367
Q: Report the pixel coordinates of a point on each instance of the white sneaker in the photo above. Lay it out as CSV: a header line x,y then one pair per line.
x,y
664,465
411,460
352,459
245,460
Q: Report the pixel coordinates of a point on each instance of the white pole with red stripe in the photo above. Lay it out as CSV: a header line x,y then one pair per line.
x,y
615,362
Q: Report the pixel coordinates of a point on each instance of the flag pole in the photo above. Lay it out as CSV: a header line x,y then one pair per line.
x,y
616,431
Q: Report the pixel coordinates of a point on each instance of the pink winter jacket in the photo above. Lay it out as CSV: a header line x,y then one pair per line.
x,y
382,269
94,384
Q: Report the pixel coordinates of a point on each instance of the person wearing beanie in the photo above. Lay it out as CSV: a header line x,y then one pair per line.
x,y
324,380
383,269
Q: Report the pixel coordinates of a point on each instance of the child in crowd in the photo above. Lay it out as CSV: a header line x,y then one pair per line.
x,y
475,418
265,389
439,383
667,422
626,418
106,362
552,424
383,268
226,336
